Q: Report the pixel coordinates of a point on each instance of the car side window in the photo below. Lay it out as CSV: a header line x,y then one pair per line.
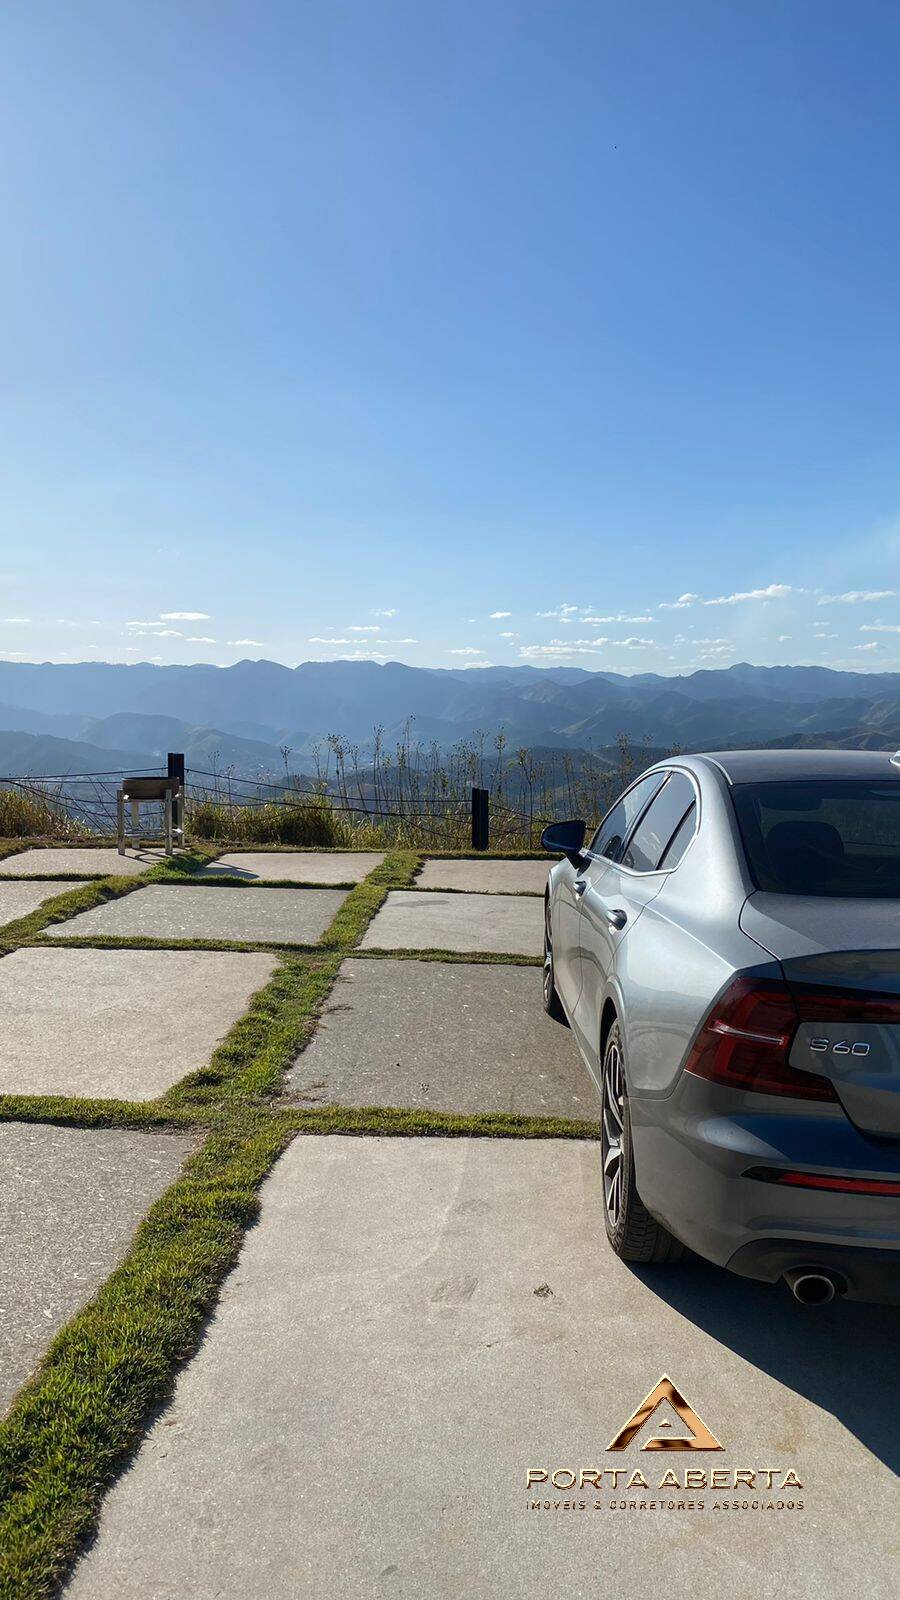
x,y
616,825
660,821
680,840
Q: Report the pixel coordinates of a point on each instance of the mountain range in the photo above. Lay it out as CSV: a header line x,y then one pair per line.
x,y
93,716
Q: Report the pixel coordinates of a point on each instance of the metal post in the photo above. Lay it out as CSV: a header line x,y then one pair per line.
x,y
120,821
480,819
175,769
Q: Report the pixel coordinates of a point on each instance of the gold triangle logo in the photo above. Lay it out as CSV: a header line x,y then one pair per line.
x,y
701,1438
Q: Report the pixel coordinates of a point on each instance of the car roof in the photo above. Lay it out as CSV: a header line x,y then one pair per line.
x,y
767,766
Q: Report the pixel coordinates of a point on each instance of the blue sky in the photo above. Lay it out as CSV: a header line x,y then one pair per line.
x,y
451,333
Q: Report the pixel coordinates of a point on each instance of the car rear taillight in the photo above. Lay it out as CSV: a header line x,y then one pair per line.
x,y
746,1039
823,1180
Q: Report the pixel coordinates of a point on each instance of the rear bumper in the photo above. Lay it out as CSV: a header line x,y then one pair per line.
x,y
860,1274
692,1153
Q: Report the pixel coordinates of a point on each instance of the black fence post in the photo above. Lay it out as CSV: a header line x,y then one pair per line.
x,y
175,769
480,819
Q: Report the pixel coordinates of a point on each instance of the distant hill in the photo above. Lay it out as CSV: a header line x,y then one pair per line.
x,y
239,716
25,755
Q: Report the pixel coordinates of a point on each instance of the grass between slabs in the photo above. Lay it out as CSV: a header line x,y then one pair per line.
x,y
87,1407
473,958
399,1122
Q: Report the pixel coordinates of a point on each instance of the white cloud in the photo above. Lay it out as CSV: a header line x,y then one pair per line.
x,y
154,624
397,641
317,638
509,635
634,643
167,633
184,616
553,652
467,650
23,620
198,638
496,616
12,655
365,628
880,627
569,644
364,655
773,591
872,645
855,597
562,613
824,635
257,644
620,616
783,638
390,612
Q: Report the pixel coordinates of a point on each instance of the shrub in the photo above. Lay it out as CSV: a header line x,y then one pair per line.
x,y
310,822
25,814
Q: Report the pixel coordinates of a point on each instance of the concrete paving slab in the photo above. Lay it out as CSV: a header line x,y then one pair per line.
x,y
70,1200
416,1323
69,862
442,1035
486,877
299,866
290,916
411,919
119,1024
20,899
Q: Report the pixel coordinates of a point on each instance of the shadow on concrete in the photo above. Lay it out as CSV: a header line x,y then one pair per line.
x,y
844,1357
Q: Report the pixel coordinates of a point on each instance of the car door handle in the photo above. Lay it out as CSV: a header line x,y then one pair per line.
x,y
616,919
579,886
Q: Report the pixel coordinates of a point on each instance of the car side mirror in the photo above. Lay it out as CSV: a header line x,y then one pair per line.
x,y
565,839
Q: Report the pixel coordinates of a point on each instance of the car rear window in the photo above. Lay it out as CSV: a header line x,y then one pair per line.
x,y
818,836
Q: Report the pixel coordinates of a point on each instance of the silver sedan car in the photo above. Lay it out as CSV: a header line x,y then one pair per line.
x,y
726,950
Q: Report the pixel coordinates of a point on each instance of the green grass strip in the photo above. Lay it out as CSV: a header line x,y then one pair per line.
x,y
399,1123
183,865
264,1041
110,1369
496,958
352,919
148,941
73,1112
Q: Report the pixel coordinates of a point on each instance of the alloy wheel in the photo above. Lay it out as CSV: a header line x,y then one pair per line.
x,y
612,1132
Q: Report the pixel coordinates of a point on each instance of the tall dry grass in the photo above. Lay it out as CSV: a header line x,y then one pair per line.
x,y
26,814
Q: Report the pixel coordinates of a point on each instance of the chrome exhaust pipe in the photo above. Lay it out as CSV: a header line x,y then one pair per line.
x,y
810,1286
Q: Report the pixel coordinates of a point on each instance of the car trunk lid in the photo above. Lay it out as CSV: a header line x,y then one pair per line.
x,y
848,999
849,1007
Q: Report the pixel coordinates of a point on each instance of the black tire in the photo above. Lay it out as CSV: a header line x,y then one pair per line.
x,y
552,1002
632,1232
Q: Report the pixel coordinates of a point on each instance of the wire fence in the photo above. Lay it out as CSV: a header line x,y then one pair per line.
x,y
414,794
227,804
